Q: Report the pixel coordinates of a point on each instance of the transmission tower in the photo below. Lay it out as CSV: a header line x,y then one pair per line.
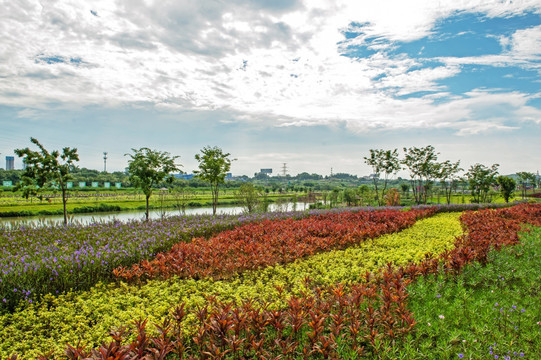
x,y
284,169
105,162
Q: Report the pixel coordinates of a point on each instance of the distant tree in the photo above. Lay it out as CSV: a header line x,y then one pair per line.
x,y
306,176
421,163
480,179
386,162
350,196
249,197
447,172
365,194
147,168
333,197
524,178
392,198
405,189
183,195
214,165
44,169
344,176
507,186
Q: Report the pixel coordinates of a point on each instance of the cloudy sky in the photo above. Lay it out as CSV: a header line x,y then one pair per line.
x,y
314,83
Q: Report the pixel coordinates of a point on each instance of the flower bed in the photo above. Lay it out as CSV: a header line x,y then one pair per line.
x,y
270,242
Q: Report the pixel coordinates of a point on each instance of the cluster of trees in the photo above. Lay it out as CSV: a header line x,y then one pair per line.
x,y
146,169
425,171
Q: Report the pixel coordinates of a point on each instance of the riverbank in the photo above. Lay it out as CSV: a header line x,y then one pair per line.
x,y
128,202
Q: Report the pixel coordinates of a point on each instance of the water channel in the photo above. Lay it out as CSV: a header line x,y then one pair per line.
x,y
125,216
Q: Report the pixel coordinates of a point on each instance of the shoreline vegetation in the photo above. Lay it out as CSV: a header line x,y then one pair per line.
x,y
14,206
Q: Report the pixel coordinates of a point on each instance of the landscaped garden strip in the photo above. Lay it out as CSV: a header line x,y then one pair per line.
x,y
37,261
270,242
54,259
336,322
89,315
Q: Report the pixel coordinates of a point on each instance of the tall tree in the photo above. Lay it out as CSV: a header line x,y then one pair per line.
x,y
447,173
214,165
524,178
147,168
382,161
507,186
44,169
480,179
421,163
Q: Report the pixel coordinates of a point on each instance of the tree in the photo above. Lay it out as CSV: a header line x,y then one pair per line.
x,y
405,189
421,163
392,198
524,177
480,178
249,197
350,196
382,161
213,168
507,186
447,174
183,195
44,169
147,168
365,194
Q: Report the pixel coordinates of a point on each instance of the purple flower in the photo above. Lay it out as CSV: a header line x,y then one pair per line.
x,y
460,356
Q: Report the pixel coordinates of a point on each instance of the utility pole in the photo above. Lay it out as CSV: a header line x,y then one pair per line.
x,y
105,162
284,169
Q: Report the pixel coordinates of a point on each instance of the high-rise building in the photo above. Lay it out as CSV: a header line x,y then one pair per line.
x,y
10,163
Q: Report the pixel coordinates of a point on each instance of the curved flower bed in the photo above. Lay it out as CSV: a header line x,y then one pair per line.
x,y
321,324
270,242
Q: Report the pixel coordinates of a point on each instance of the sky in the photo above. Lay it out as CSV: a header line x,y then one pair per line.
x,y
314,84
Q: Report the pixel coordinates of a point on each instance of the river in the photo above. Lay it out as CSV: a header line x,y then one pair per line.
x,y
124,216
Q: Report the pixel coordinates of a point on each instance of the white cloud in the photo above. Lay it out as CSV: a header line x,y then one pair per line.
x,y
527,42
264,60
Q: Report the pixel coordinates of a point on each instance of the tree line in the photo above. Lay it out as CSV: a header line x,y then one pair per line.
x,y
425,170
148,168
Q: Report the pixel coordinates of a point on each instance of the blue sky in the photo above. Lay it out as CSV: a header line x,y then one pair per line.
x,y
314,84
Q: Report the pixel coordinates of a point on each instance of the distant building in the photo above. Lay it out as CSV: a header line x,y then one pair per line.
x,y
266,171
10,163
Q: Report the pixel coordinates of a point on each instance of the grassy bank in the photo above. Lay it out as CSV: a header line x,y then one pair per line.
x,y
14,207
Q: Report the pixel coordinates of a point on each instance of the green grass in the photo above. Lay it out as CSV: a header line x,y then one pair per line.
x,y
484,312
126,202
